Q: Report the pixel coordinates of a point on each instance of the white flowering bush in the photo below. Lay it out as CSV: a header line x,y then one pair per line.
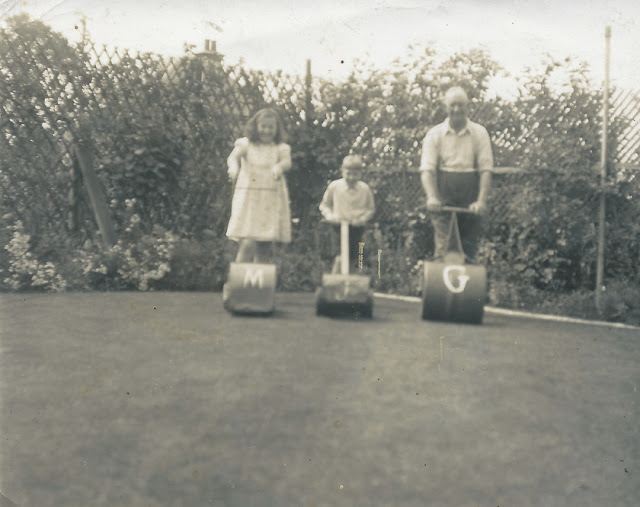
x,y
24,270
147,260
136,261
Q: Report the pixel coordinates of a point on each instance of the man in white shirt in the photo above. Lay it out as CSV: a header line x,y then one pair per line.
x,y
349,199
456,167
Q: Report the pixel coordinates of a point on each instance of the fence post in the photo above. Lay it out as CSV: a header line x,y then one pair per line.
x,y
309,159
603,173
84,159
73,217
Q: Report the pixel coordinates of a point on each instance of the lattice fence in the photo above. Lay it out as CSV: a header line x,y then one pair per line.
x,y
160,129
625,105
124,106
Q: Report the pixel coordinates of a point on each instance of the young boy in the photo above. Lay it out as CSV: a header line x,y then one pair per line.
x,y
349,199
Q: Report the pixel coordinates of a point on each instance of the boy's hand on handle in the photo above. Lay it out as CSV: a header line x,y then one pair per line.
x,y
434,204
360,221
331,217
478,207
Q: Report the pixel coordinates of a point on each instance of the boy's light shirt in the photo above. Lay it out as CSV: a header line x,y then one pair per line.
x,y
341,203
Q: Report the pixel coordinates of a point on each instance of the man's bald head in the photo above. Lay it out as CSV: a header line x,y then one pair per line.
x,y
457,103
455,94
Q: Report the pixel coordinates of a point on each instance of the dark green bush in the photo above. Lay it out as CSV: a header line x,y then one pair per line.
x,y
198,265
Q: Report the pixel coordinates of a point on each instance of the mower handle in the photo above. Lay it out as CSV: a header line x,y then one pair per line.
x,y
455,209
334,222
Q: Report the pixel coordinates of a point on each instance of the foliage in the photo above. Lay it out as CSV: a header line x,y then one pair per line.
x,y
36,106
159,131
547,237
406,102
198,265
25,271
137,261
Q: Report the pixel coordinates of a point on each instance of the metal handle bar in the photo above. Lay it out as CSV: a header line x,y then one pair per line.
x,y
326,221
455,209
337,222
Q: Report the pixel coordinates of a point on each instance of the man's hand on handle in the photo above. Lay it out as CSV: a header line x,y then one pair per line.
x,y
330,218
434,204
478,207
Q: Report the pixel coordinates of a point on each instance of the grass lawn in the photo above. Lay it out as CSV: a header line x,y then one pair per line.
x,y
163,399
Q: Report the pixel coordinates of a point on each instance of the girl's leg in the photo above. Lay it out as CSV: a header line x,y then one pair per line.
x,y
246,250
263,252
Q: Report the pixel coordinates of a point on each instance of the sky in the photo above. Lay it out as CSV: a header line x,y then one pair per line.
x,y
283,34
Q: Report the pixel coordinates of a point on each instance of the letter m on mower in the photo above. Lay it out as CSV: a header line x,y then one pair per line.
x,y
253,277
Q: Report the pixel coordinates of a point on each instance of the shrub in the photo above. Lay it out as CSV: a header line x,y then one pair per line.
x,y
198,265
25,271
138,260
159,132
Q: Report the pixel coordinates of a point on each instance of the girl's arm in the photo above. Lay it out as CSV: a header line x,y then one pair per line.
x,y
284,161
233,164
234,160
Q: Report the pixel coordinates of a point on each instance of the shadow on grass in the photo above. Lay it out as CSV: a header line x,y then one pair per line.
x,y
275,315
348,314
486,323
353,318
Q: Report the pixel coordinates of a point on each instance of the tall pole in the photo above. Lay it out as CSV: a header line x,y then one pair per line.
x,y
603,172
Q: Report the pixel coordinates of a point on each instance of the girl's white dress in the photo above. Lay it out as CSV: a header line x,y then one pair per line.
x,y
260,206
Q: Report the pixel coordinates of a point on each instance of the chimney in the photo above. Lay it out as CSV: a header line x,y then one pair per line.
x,y
210,53
210,46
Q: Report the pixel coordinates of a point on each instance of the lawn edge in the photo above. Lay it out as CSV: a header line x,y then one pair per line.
x,y
528,315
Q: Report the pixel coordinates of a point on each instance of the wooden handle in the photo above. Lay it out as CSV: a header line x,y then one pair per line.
x,y
344,248
455,209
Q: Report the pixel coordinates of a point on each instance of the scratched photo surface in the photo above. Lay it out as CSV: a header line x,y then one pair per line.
x,y
319,253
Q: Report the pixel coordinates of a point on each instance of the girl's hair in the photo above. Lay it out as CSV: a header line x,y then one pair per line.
x,y
251,128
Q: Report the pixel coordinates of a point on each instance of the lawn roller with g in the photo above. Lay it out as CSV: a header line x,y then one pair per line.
x,y
451,289
344,293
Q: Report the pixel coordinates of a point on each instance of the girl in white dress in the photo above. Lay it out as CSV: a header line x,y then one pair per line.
x,y
260,212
